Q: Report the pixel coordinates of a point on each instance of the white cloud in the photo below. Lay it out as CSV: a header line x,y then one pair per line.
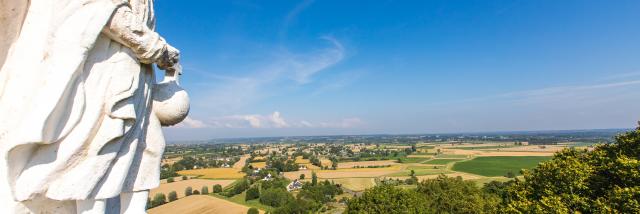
x,y
274,120
189,122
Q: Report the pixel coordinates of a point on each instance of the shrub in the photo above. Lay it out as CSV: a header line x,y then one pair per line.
x,y
196,192
217,188
158,199
173,196
188,191
205,190
253,210
184,177
314,178
170,180
252,193
302,176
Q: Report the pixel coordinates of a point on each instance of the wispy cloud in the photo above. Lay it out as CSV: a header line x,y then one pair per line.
x,y
541,95
292,15
274,120
284,70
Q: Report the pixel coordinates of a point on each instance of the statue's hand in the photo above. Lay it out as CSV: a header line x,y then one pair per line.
x,y
169,57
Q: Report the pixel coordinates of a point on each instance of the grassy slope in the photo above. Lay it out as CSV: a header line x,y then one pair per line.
x,y
239,199
498,166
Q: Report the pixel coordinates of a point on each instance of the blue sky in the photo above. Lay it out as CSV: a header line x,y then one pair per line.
x,y
274,68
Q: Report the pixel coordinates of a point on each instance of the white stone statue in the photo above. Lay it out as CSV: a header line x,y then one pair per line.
x,y
79,132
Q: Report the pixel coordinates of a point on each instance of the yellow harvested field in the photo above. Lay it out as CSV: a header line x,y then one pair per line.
x,y
347,173
465,176
200,204
494,153
516,154
238,165
534,148
195,184
215,173
355,184
366,163
325,162
259,164
299,160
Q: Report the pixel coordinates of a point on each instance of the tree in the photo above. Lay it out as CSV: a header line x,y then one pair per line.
x,y
170,180
158,199
510,174
604,180
188,191
252,193
275,197
204,190
217,188
386,199
301,176
314,178
454,195
298,206
173,196
253,210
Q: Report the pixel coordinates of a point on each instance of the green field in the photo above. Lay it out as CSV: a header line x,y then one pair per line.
x,y
484,147
450,156
442,161
413,160
498,166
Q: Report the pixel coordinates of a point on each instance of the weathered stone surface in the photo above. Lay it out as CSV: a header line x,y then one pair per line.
x,y
79,131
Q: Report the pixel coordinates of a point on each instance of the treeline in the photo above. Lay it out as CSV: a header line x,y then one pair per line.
x,y
604,180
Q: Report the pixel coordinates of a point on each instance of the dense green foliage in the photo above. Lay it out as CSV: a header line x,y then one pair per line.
x,y
238,187
386,199
282,164
498,166
252,193
253,210
321,193
217,188
276,182
297,206
275,197
441,195
605,180
170,180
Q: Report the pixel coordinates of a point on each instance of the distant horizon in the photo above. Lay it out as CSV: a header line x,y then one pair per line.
x,y
413,134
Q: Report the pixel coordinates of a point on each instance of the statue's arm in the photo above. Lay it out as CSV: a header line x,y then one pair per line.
x,y
147,44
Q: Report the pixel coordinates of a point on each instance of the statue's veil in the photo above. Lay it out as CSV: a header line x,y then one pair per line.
x,y
12,14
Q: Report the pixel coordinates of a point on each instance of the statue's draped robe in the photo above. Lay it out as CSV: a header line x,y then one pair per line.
x,y
75,100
